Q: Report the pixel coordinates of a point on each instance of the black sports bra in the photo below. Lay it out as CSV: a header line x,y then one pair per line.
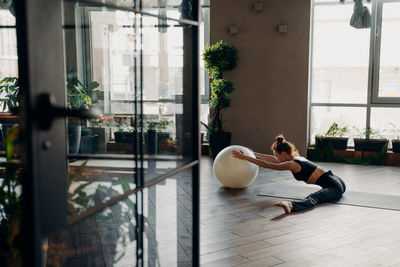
x,y
307,168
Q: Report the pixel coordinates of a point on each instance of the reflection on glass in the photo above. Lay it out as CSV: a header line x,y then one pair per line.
x,y
10,165
323,117
165,83
101,54
10,192
93,182
107,238
168,232
175,9
340,56
389,66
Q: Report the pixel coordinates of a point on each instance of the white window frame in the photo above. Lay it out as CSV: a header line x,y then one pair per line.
x,y
373,100
376,30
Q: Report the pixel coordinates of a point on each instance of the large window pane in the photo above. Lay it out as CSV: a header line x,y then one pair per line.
x,y
100,47
386,122
340,56
113,40
176,9
166,95
389,70
323,117
8,48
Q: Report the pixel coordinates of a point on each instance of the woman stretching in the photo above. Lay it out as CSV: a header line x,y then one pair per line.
x,y
287,158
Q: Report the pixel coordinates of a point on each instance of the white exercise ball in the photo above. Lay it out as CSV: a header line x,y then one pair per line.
x,y
233,172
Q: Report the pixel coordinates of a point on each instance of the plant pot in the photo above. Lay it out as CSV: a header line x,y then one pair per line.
x,y
123,137
162,142
151,141
102,134
218,141
396,146
335,142
89,144
375,145
74,138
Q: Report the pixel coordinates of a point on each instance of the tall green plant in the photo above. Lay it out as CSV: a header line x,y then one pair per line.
x,y
219,58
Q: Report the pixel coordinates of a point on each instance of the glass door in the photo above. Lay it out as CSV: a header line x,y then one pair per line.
x,y
109,119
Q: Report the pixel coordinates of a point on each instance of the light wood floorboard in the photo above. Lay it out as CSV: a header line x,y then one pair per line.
x,y
239,228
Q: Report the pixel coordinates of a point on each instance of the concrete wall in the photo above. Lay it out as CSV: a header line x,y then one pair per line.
x,y
271,79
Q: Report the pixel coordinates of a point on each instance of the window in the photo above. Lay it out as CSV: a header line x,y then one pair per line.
x,y
387,67
355,73
8,47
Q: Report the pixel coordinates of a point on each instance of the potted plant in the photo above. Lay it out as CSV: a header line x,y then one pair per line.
x,y
396,140
162,136
368,143
333,138
89,141
125,131
80,96
219,58
100,128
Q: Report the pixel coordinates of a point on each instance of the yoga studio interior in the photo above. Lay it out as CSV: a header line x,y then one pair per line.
x,y
183,133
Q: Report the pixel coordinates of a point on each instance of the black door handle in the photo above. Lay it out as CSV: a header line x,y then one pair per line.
x,y
45,112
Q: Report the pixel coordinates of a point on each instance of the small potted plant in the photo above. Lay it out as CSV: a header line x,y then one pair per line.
x,y
89,142
371,142
219,58
333,137
101,128
396,140
80,96
125,131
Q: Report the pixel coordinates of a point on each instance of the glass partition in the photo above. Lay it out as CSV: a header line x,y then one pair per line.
x,y
101,60
132,171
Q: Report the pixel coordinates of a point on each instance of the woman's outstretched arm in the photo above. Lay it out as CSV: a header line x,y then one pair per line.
x,y
266,157
281,166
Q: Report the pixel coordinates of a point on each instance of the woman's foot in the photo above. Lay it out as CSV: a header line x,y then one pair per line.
x,y
286,205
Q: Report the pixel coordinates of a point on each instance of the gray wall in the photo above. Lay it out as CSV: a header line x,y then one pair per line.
x,y
271,79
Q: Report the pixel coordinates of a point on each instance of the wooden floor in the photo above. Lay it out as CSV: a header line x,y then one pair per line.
x,y
239,228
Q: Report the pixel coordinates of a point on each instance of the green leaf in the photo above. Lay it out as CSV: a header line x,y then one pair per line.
x,y
93,85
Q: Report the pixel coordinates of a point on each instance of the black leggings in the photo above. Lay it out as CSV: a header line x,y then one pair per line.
x,y
332,190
